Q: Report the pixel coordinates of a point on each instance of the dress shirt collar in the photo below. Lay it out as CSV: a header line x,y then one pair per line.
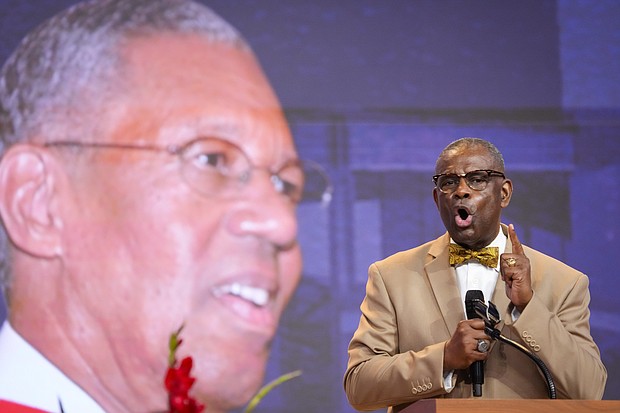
x,y
28,378
471,275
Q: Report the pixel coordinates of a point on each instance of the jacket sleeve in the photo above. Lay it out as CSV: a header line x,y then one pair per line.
x,y
377,374
560,336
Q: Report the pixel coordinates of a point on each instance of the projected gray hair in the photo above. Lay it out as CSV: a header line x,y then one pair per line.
x,y
59,74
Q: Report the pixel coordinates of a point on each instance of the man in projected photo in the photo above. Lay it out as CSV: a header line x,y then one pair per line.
x,y
148,180
413,341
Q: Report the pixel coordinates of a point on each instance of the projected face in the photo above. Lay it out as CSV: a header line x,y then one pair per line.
x,y
148,252
471,211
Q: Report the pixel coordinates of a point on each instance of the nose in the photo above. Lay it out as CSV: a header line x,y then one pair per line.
x,y
265,213
462,190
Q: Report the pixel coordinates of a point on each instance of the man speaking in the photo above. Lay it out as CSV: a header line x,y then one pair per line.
x,y
416,340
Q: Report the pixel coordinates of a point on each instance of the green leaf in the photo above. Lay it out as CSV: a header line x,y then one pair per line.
x,y
173,344
268,387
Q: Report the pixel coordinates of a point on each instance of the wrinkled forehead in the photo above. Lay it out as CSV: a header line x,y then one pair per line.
x,y
160,64
465,158
176,87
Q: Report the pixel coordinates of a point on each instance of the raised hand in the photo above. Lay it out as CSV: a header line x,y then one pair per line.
x,y
516,272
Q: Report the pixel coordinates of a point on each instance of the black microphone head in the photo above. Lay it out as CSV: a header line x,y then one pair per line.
x,y
471,297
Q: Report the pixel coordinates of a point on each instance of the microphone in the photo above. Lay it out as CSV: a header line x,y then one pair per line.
x,y
476,370
476,308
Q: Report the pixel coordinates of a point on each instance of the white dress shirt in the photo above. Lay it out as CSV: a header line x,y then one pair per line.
x,y
471,275
28,378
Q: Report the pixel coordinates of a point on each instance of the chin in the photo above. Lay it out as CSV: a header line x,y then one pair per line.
x,y
230,392
463,235
230,380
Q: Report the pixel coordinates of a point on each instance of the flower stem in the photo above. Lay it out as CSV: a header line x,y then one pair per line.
x,y
268,387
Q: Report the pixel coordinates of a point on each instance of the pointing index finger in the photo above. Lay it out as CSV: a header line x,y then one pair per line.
x,y
517,248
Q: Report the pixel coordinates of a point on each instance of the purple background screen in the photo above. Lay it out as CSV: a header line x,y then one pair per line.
x,y
374,90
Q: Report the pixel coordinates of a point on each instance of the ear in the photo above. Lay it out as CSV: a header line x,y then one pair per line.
x,y
506,193
28,203
435,197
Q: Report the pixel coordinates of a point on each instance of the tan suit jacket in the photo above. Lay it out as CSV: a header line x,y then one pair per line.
x,y
413,305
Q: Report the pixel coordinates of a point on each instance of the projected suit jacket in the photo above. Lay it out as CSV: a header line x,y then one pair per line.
x,y
413,305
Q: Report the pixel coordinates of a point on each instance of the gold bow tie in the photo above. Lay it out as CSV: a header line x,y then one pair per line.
x,y
487,256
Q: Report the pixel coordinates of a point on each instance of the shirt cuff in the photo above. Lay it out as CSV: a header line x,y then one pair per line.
x,y
448,381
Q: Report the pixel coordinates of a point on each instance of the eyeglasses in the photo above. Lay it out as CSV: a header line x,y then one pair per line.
x,y
476,180
215,167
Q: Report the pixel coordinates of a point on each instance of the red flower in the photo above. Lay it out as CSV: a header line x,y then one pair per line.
x,y
178,381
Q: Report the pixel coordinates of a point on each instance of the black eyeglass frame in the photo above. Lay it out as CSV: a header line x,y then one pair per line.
x,y
489,172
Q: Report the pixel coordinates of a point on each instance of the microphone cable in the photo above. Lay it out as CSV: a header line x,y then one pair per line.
x,y
495,334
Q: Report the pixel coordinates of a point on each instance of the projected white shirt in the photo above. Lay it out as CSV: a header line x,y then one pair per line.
x,y
28,378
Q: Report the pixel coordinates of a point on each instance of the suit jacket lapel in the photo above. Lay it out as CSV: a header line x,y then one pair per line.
x,y
442,279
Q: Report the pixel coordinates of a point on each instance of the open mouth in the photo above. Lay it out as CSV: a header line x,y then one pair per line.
x,y
253,305
257,296
463,217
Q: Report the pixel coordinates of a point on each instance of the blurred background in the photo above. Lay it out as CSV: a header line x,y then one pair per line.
x,y
374,90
